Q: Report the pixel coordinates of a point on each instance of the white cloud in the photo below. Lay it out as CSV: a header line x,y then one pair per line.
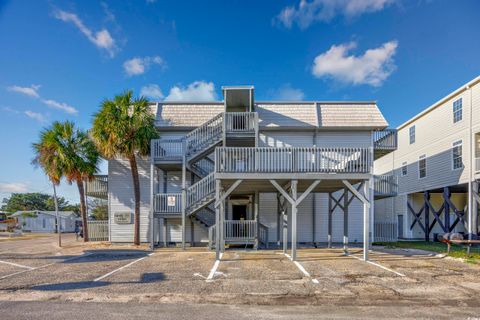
x,y
13,187
309,12
60,106
102,39
137,65
35,116
287,93
31,91
196,91
372,68
152,91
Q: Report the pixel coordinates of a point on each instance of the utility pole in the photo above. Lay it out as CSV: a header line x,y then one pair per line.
x,y
59,229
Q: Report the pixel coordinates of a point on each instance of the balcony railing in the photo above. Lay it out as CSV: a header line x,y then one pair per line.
x,y
240,231
98,187
385,185
292,160
385,141
199,191
167,203
167,149
241,122
203,136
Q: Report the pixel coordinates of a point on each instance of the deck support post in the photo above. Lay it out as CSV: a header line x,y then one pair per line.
x,y
426,198
294,219
330,212
446,209
217,220
345,220
255,213
184,194
151,216
367,199
475,203
222,223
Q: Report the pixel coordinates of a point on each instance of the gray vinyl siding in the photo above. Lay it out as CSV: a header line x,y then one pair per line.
x,y
174,231
285,139
355,139
268,217
121,198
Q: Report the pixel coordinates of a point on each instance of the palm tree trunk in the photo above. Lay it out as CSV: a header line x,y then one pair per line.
x,y
83,209
136,191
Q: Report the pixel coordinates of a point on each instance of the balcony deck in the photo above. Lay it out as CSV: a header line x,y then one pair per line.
x,y
98,187
384,142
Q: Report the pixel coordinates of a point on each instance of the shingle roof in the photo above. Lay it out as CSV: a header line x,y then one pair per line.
x,y
280,114
186,115
351,115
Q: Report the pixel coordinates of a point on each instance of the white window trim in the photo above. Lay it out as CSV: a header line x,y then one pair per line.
x,y
410,134
455,144
404,164
453,112
423,156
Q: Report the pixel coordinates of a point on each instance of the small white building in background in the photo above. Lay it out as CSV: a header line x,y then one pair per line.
x,y
44,221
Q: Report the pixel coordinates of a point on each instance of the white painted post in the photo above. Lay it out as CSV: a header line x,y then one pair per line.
x,y
345,220
184,193
255,211
475,208
152,228
217,220
366,220
294,219
330,226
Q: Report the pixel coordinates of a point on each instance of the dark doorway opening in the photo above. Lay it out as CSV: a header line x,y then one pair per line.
x,y
239,212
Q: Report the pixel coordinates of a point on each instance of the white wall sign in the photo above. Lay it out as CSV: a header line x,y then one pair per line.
x,y
122,217
171,200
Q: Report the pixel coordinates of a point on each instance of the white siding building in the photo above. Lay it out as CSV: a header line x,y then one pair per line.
x,y
248,166
438,166
45,221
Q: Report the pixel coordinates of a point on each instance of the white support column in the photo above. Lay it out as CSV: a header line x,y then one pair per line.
x,y
222,224
151,219
255,212
294,219
184,195
371,201
217,220
345,220
330,226
285,230
366,220
475,202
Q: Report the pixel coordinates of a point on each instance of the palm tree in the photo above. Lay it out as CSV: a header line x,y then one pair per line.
x,y
123,128
64,151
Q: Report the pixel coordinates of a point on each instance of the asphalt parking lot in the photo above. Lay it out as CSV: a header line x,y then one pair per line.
x,y
264,277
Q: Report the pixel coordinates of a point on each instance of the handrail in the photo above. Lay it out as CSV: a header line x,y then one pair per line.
x,y
204,166
200,190
292,160
243,122
385,184
236,230
167,203
205,134
167,149
385,139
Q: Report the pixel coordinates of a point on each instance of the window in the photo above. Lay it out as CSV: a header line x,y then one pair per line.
x,y
457,110
404,169
422,166
457,155
412,134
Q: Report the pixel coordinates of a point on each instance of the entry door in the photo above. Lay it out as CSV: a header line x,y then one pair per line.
x,y
400,225
239,212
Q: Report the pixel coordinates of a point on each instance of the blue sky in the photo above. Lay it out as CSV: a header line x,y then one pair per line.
x,y
60,59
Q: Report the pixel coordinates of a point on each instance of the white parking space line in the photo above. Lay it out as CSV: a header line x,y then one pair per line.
x,y
44,266
378,265
121,268
16,265
214,268
302,269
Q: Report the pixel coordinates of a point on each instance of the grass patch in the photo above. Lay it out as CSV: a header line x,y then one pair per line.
x,y
456,251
